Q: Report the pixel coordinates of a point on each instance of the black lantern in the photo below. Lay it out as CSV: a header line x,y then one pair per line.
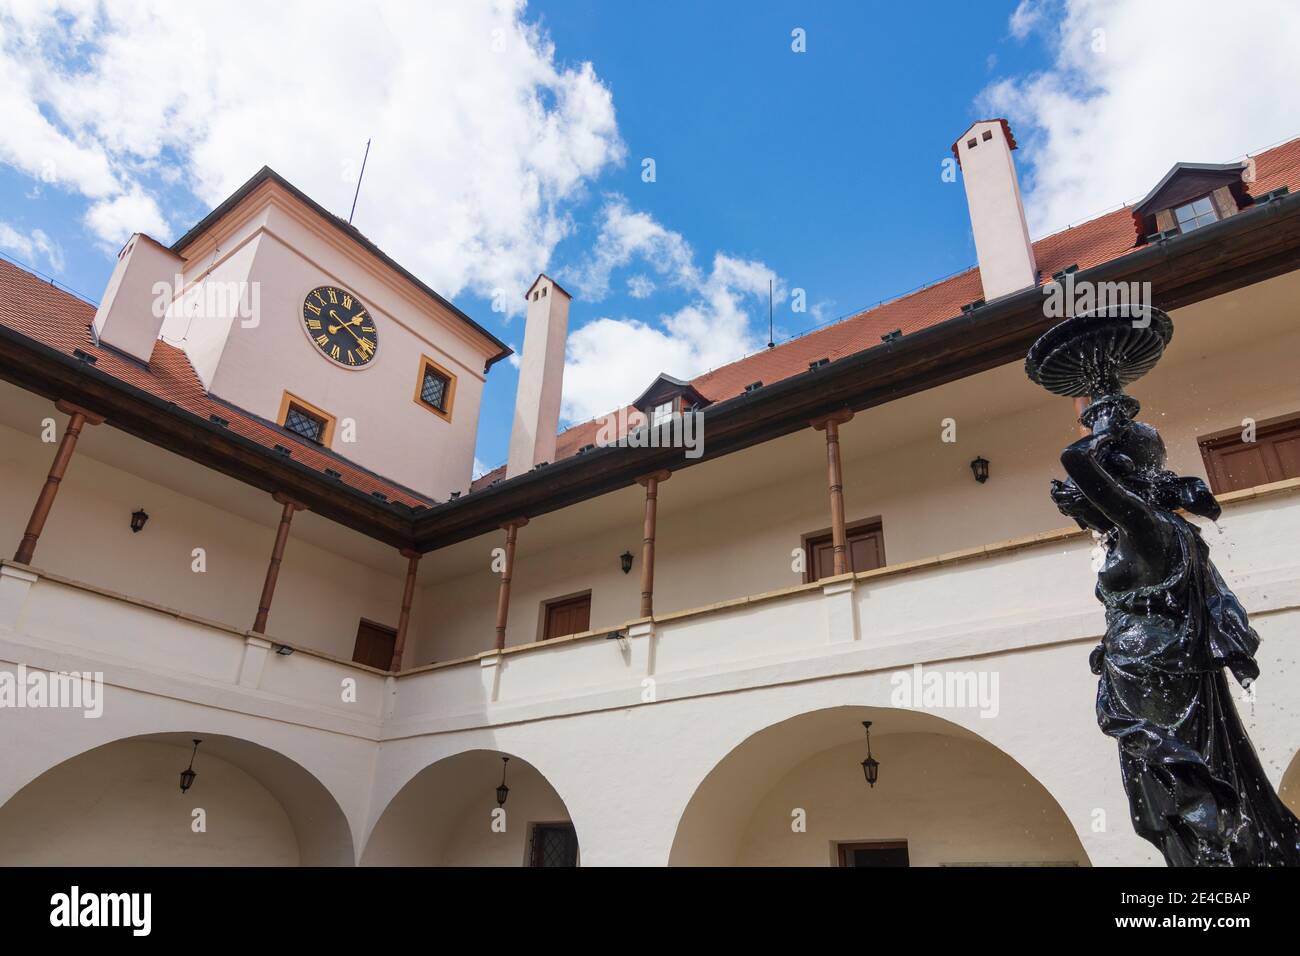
x,y
188,774
626,560
870,766
138,518
503,791
980,469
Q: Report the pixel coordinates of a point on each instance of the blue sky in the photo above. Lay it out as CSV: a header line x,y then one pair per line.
x,y
510,139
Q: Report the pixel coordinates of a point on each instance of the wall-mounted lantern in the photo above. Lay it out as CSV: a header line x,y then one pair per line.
x,y
138,519
188,774
980,469
503,791
625,559
870,766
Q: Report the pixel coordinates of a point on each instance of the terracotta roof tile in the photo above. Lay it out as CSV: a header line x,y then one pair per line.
x,y
61,321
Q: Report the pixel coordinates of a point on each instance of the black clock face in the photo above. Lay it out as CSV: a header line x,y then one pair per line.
x,y
340,326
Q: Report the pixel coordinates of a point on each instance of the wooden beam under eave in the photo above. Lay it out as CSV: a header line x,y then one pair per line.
x,y
651,484
511,529
404,616
277,555
78,417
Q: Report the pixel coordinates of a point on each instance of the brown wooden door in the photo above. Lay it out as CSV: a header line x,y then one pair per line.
x,y
1233,464
883,853
866,547
570,616
374,646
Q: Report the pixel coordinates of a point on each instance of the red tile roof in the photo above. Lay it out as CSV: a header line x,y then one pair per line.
x,y
34,307
1099,240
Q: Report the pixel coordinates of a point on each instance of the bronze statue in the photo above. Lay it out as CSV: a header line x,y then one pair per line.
x,y
1195,785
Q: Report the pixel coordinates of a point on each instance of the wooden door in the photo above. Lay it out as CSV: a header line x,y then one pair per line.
x,y
866,550
569,616
374,646
1233,464
880,853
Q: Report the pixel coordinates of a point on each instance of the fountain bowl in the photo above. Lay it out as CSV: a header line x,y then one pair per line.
x,y
1096,354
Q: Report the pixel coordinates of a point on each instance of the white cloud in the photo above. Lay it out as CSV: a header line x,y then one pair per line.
x,y
32,247
1137,87
611,360
640,286
481,138
627,235
1025,17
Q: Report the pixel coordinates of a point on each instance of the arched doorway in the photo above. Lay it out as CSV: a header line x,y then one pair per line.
x,y
120,804
447,815
794,794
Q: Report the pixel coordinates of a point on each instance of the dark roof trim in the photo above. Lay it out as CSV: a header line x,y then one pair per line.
x,y
1231,172
266,173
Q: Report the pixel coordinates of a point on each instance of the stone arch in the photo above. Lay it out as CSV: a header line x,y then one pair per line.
x,y
952,794
444,815
119,803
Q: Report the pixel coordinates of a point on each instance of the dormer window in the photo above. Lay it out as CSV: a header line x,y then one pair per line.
x,y
666,397
1193,215
1191,195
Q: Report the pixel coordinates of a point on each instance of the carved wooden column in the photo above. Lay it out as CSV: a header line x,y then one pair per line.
x,y
277,555
507,572
651,483
71,432
830,424
404,618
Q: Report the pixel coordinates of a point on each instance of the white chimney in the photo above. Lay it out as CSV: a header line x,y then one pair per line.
x,y
541,377
133,308
997,216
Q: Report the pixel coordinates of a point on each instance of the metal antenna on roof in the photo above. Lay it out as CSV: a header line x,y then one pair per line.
x,y
358,192
771,339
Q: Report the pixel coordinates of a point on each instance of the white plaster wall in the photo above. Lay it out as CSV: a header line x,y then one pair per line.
x,y
121,805
320,596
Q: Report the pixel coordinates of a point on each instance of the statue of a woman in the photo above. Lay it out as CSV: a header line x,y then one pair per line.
x,y
1195,785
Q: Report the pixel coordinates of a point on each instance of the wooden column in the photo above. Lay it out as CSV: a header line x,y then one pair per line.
x,y
403,619
511,529
277,555
830,424
1080,406
651,483
67,445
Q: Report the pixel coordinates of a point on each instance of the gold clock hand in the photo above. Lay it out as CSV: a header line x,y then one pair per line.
x,y
343,325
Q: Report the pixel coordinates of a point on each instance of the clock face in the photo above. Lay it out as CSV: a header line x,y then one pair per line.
x,y
340,326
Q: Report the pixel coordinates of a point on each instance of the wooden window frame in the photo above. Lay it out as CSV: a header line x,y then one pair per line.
x,y
841,846
327,431
427,363
552,602
1227,437
806,542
